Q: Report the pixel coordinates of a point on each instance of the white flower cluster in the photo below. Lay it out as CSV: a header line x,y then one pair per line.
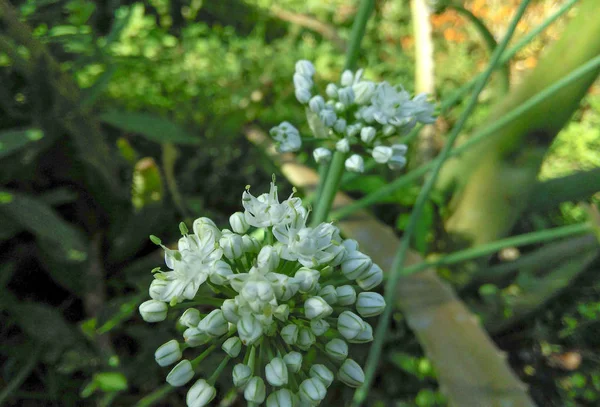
x,y
355,114
297,289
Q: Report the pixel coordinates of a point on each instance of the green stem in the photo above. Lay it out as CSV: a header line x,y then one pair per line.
x,y
330,188
203,356
358,32
316,197
476,138
390,288
213,378
489,248
216,302
156,396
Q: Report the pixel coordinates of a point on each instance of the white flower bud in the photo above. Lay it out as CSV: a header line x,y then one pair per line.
x,y
351,374
250,244
293,360
317,307
305,68
322,155
214,324
255,391
382,154
241,375
331,90
370,304
355,265
319,326
343,145
249,329
232,346
220,273
203,226
153,311
312,391
337,349
282,312
302,82
195,337
268,259
340,126
316,103
355,163
190,318
289,334
339,107
276,372
306,339
231,245
350,245
200,394
353,130
350,325
307,279
238,223
364,336
329,294
371,279
168,353
346,295
281,398
157,289
346,96
389,130
230,311
398,159
347,78
180,374
363,92
328,117
321,372
367,134
302,95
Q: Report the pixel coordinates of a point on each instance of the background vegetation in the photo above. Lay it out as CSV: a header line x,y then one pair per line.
x,y
119,119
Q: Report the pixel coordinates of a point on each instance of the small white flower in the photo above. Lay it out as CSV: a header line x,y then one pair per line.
x,y
389,130
322,155
268,259
353,130
398,159
421,109
307,279
370,304
317,307
328,117
255,390
371,279
305,68
340,126
265,210
363,91
238,223
355,265
382,154
180,374
306,339
321,372
230,311
249,329
329,294
190,318
282,312
364,336
346,295
214,324
337,349
331,90
339,107
250,244
205,226
351,373
287,137
302,95
350,325
343,145
346,96
221,273
289,334
200,394
319,326
367,134
194,337
293,360
168,353
355,163
351,245
241,375
281,398
302,82
347,78
153,311
276,372
232,346
316,104
312,391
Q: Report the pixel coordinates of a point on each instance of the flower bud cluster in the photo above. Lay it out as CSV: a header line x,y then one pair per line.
x,y
285,289
355,116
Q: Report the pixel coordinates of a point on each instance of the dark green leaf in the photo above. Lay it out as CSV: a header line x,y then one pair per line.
x,y
89,95
44,324
14,140
152,127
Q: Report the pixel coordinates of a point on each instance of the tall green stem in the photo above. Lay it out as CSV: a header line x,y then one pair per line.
x,y
390,288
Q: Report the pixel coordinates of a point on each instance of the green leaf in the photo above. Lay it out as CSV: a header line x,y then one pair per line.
x,y
42,221
110,381
89,95
44,324
14,140
154,128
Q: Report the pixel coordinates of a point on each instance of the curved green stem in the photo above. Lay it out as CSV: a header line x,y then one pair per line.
x,y
156,396
390,287
330,188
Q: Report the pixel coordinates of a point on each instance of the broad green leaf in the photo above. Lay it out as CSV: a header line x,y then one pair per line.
x,y
152,127
14,140
42,221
